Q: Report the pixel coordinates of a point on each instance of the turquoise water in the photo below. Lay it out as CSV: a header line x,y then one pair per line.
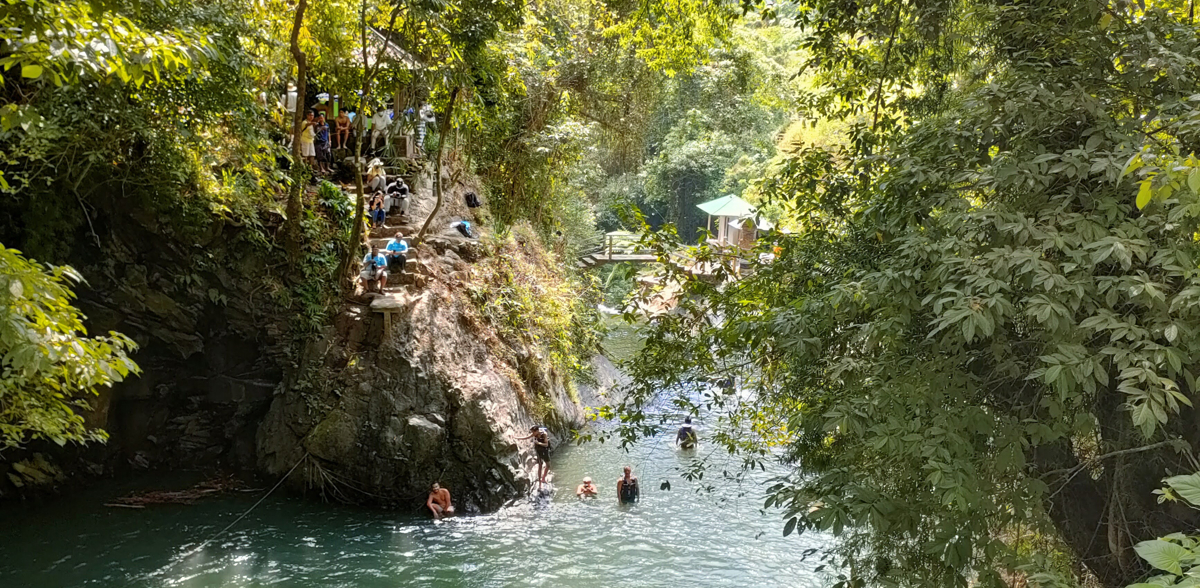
x,y
686,536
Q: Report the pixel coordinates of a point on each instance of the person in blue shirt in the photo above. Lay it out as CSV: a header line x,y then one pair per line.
x,y
374,268
397,252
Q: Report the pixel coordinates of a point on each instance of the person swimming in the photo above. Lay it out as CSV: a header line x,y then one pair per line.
x,y
627,487
587,489
687,438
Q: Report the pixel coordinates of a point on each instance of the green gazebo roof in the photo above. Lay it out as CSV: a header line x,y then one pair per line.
x,y
727,206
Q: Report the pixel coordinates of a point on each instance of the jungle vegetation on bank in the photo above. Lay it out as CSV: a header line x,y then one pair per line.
x,y
980,347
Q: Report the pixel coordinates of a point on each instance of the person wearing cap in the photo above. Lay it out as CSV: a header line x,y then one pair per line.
x,y
288,101
541,448
587,489
374,268
439,502
687,438
397,252
376,176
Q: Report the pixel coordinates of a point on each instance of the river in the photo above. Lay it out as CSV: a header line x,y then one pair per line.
x,y
686,536
711,534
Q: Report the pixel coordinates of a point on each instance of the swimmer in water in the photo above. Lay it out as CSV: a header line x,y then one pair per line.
x,y
439,502
687,438
587,489
627,487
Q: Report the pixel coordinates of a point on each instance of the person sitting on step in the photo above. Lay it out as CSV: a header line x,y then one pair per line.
x,y
342,138
376,177
378,214
397,251
399,192
374,268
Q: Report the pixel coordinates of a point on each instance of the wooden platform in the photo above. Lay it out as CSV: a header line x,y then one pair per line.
x,y
597,259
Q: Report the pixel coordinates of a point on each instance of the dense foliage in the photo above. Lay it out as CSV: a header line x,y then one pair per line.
x,y
48,364
979,349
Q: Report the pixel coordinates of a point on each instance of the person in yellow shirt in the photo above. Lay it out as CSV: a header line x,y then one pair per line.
x,y
308,136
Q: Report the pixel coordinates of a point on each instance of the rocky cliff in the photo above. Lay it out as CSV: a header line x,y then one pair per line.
x,y
389,405
230,381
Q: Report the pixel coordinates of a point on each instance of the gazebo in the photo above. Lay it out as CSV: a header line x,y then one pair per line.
x,y
736,223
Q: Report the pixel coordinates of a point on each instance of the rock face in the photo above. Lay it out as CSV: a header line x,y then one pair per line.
x,y
379,416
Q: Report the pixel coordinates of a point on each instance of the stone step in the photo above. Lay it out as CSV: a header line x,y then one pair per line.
x,y
389,302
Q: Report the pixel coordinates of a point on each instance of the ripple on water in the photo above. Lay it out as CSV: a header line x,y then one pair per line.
x,y
682,536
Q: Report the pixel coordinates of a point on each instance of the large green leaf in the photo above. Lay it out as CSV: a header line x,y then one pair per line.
x,y
1187,487
1163,555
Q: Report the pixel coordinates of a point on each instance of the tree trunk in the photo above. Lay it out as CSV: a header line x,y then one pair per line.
x,y
1078,506
356,234
291,227
443,130
369,71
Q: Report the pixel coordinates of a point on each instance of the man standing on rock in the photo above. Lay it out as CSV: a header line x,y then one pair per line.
x,y
439,502
541,448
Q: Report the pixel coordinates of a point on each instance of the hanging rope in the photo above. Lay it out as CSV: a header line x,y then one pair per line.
x,y
230,525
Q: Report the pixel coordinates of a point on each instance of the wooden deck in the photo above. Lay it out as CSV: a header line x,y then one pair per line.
x,y
602,258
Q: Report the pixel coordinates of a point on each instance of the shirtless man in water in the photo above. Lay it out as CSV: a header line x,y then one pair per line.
x,y
439,502
587,489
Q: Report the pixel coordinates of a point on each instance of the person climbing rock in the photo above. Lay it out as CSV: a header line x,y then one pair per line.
x,y
687,438
439,502
541,448
627,487
587,489
397,252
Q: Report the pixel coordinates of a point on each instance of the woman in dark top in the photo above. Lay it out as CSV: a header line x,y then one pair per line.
x,y
627,487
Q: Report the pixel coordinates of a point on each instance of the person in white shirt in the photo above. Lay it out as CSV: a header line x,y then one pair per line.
x,y
288,101
381,124
424,117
